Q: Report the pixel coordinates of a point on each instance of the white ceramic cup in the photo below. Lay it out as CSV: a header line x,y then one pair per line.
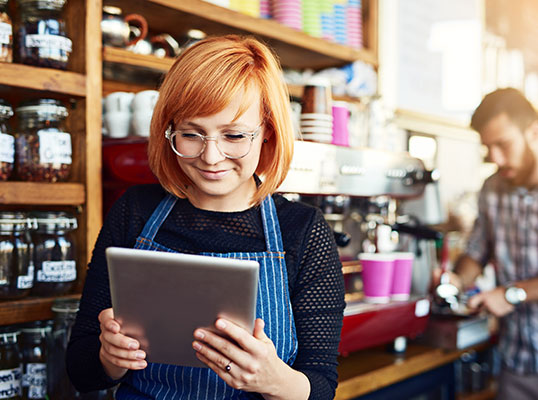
x,y
141,122
117,123
119,102
145,100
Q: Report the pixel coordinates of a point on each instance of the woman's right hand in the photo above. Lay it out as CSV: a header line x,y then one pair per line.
x,y
118,352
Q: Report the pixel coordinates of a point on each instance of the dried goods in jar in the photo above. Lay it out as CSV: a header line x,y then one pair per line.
x,y
43,148
42,40
7,142
6,33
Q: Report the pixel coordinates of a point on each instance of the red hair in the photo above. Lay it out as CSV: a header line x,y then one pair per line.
x,y
202,82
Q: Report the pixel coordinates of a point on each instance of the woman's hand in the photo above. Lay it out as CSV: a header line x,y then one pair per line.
x,y
118,353
254,365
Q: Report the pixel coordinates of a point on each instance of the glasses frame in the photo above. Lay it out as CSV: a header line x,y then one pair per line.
x,y
170,134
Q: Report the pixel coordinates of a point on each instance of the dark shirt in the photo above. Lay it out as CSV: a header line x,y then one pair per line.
x,y
314,276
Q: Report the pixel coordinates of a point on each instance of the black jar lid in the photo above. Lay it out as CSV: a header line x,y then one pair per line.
x,y
54,5
16,221
6,111
9,333
43,109
65,305
36,327
54,220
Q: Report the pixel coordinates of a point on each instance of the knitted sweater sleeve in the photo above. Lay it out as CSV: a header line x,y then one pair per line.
x,y
318,305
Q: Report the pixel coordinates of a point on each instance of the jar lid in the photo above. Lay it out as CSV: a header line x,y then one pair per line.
x,y
54,220
43,4
16,221
43,109
3,3
112,10
65,305
6,111
9,330
36,327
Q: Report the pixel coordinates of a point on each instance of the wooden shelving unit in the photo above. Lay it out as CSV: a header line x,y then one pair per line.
x,y
43,79
295,49
38,193
28,309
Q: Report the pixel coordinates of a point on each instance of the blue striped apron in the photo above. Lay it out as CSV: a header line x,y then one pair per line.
x,y
163,381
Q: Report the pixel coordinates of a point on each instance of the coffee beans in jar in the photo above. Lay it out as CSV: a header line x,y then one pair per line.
x,y
54,253
6,33
7,142
16,265
43,148
42,38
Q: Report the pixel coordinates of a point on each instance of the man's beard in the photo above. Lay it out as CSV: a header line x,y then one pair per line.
x,y
526,169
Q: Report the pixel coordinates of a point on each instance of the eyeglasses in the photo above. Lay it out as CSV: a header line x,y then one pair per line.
x,y
190,144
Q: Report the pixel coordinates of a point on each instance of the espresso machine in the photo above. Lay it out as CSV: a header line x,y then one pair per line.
x,y
359,191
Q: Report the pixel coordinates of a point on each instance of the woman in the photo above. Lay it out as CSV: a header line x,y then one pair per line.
x,y
222,121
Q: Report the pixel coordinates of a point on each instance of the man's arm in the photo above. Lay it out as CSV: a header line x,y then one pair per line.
x,y
467,270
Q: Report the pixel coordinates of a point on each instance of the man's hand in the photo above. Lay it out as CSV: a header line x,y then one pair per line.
x,y
493,301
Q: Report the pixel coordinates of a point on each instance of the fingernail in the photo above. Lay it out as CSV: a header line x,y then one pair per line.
x,y
199,335
141,364
140,355
132,346
221,324
196,346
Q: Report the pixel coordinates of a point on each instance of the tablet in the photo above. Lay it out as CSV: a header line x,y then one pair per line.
x,y
160,298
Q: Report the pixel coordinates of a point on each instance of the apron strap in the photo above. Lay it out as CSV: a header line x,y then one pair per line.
x,y
271,227
157,218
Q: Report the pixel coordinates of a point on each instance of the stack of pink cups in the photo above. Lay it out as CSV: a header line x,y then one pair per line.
x,y
288,12
386,276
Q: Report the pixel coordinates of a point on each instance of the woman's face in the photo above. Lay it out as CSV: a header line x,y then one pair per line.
x,y
220,183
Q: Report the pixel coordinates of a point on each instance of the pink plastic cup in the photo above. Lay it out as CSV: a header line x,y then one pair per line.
x,y
340,120
377,270
401,277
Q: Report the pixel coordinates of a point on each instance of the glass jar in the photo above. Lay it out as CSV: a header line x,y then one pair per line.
x,y
54,253
59,385
34,345
42,38
7,141
43,147
6,33
10,364
16,265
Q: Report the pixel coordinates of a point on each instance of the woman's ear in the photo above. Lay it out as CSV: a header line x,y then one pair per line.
x,y
531,134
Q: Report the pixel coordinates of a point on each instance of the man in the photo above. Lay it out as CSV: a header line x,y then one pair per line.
x,y
506,234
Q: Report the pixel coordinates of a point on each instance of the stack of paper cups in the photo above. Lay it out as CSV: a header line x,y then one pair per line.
x,y
354,24
327,19
288,12
312,17
265,9
340,21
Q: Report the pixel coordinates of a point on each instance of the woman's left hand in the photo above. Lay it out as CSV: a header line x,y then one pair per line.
x,y
254,365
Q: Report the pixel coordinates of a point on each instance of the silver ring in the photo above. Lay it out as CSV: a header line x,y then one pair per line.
x,y
228,367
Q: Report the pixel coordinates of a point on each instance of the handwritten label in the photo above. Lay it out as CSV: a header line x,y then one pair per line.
x,y
54,147
49,41
26,281
57,271
35,379
7,148
10,383
6,32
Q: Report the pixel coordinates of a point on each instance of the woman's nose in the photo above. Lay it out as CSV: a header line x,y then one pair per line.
x,y
211,153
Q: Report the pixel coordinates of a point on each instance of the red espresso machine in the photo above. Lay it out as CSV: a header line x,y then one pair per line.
x,y
366,183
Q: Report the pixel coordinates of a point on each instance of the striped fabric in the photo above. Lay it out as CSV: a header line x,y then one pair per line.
x,y
160,381
506,233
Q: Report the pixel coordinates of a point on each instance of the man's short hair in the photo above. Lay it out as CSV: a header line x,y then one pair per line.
x,y
510,101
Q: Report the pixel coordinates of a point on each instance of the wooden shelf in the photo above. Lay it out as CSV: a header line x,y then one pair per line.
x,y
486,394
28,309
43,79
39,193
125,57
295,49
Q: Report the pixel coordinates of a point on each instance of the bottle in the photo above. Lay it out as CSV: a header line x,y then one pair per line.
x,y
6,33
7,140
34,353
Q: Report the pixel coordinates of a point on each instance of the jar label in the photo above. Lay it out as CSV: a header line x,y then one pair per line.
x,y
35,379
10,383
6,32
57,271
26,281
48,41
54,147
7,148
